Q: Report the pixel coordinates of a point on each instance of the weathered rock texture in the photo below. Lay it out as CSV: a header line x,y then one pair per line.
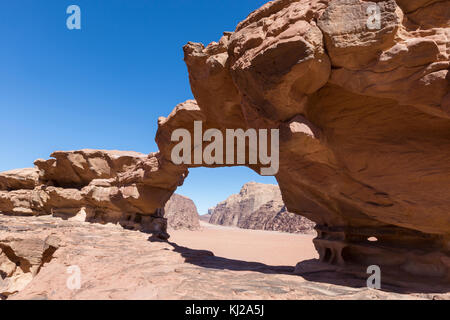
x,y
19,179
364,119
258,206
21,258
37,252
274,216
102,186
181,213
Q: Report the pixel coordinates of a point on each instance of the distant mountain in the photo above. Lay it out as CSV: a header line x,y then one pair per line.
x,y
259,206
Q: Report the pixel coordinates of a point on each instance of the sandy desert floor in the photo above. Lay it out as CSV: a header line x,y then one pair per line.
x,y
268,247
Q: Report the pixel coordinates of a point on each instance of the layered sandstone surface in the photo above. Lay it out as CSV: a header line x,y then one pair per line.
x,y
128,188
258,206
40,256
364,121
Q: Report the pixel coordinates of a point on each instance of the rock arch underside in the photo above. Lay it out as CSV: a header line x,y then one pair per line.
x,y
364,120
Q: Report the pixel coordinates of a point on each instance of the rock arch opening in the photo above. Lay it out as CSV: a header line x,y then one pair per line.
x,y
360,153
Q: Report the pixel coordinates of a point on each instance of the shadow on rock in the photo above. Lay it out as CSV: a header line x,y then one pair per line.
x,y
356,277
311,270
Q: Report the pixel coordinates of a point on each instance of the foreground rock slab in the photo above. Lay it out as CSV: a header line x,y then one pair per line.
x,y
122,264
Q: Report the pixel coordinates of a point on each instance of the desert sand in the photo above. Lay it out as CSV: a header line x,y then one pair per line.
x,y
268,247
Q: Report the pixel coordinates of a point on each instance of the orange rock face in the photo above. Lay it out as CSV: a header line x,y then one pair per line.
x,y
364,121
78,168
19,179
102,186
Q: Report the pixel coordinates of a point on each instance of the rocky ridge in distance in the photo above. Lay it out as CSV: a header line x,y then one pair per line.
x,y
259,206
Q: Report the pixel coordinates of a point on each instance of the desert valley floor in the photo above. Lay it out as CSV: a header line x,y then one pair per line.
x,y
268,247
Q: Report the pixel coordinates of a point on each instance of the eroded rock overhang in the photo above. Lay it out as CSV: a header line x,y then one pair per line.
x,y
363,115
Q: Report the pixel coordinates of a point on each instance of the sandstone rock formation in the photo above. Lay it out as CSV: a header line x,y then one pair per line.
x,y
258,206
363,115
274,216
19,179
114,263
237,207
102,186
76,169
181,213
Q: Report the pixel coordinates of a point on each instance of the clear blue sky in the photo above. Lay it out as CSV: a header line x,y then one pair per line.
x,y
105,86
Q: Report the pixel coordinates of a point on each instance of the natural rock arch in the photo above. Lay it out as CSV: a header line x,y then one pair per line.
x,y
363,119
364,133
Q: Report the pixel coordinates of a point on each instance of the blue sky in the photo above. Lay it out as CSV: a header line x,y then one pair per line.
x,y
105,86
